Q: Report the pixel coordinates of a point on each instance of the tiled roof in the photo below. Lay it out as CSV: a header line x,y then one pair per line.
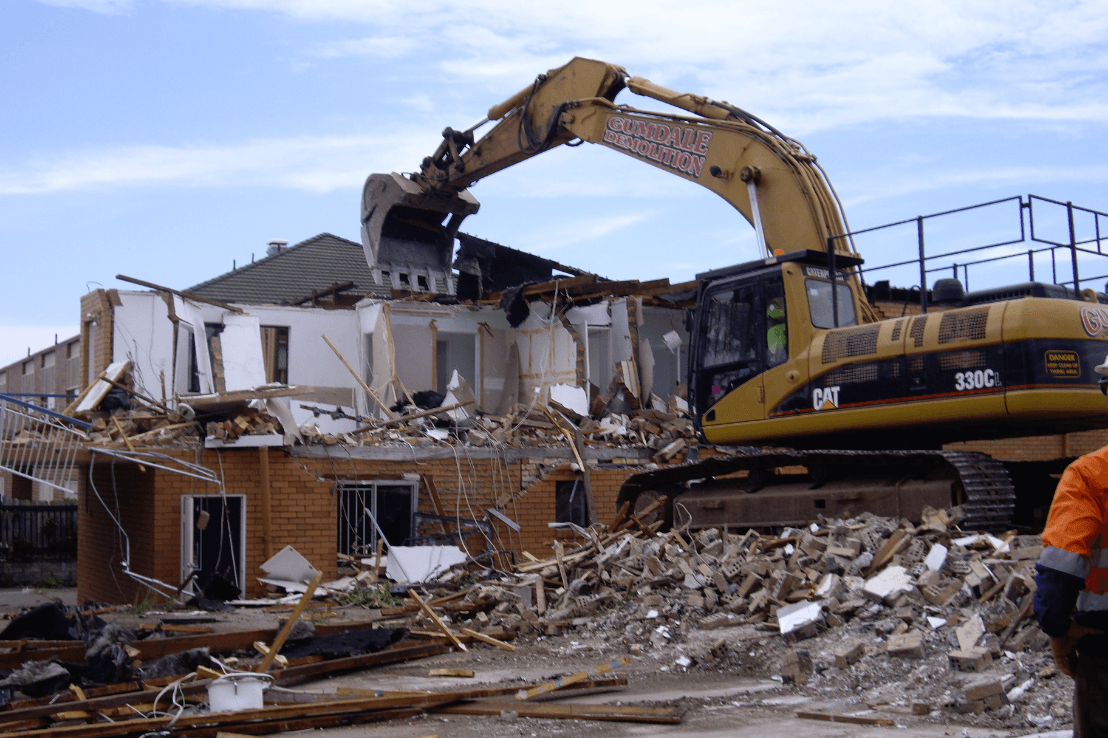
x,y
295,273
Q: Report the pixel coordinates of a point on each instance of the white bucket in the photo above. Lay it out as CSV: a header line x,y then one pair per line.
x,y
237,691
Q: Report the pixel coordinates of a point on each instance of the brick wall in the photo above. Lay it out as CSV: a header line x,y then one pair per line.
x,y
1038,448
96,307
304,509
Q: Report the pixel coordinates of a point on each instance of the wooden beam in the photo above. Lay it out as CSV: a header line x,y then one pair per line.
x,y
611,682
267,509
284,634
397,419
488,639
126,440
237,721
364,386
156,648
562,682
436,620
619,713
186,295
854,719
307,672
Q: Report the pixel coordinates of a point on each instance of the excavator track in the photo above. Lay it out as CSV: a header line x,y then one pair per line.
x,y
990,496
793,487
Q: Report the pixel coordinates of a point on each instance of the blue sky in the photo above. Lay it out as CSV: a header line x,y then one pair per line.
x,y
165,139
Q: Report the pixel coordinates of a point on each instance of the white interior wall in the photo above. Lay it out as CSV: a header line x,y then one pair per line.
x,y
143,335
667,371
621,332
311,362
547,353
595,322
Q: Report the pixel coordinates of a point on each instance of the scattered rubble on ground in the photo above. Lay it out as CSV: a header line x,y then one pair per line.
x,y
891,618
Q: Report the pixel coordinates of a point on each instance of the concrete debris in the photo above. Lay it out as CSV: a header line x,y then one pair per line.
x,y
869,597
257,418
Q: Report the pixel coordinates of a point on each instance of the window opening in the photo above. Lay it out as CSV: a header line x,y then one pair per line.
x,y
569,503
455,351
392,504
186,373
275,350
601,368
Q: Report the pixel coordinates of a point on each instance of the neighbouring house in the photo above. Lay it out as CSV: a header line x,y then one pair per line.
x,y
49,378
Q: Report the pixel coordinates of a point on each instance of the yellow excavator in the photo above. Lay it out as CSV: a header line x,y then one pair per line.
x,y
786,351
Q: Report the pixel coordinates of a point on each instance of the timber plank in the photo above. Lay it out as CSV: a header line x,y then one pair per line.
x,y
621,713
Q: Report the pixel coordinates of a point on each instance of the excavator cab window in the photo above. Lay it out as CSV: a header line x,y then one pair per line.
x,y
733,339
821,309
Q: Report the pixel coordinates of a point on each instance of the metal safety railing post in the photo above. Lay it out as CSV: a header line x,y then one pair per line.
x,y
1073,247
922,267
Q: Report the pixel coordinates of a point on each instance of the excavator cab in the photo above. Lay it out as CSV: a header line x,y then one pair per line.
x,y
753,324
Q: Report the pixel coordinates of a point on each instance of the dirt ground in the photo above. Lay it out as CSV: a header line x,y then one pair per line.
x,y
737,694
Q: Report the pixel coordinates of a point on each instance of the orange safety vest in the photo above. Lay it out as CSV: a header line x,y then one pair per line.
x,y
1075,540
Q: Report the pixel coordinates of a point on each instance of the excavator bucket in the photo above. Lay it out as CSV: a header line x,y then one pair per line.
x,y
403,226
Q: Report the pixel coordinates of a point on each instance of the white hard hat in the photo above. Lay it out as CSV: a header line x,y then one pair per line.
x,y
1102,369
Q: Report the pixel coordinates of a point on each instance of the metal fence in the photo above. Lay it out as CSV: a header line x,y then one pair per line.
x,y
38,531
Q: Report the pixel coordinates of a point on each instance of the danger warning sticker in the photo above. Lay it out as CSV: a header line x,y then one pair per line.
x,y
1063,364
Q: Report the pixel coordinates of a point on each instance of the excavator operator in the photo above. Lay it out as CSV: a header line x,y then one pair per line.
x,y
1071,596
777,341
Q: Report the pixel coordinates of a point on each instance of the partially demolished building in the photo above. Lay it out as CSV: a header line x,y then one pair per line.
x,y
303,414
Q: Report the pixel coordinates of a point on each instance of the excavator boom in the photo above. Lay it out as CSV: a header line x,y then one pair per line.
x,y
748,163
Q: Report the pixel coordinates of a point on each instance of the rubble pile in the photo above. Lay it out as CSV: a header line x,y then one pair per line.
x,y
666,433
927,618
125,419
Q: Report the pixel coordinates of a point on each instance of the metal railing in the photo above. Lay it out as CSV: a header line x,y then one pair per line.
x,y
39,444
1028,234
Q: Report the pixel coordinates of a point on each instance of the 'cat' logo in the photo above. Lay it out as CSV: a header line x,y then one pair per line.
x,y
825,398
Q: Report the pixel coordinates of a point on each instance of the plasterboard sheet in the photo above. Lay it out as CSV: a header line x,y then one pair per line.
x,y
289,565
241,346
421,563
102,386
277,408
459,391
570,397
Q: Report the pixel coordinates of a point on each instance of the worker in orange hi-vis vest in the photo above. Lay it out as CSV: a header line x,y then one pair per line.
x,y
1071,596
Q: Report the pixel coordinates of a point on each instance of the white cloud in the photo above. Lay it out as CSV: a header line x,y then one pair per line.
x,y
319,164
380,47
15,340
805,65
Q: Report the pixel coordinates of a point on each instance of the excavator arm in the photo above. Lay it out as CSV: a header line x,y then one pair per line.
x,y
768,177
